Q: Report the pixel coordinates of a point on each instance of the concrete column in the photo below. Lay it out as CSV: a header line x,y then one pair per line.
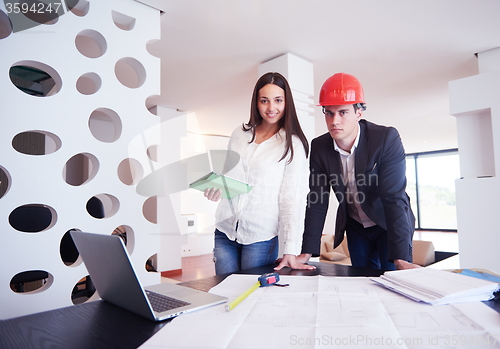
x,y
299,74
474,101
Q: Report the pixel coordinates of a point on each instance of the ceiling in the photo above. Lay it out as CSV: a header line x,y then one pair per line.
x,y
404,52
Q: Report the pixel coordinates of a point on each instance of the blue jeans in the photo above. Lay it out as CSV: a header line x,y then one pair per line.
x,y
231,256
368,246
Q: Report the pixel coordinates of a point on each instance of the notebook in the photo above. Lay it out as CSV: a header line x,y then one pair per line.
x,y
116,282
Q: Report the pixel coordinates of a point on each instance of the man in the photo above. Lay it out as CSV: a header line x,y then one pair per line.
x,y
365,165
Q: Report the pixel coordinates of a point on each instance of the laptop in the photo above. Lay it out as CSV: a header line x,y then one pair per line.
x,y
116,282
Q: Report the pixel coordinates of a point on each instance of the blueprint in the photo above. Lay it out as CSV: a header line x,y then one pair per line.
x,y
327,312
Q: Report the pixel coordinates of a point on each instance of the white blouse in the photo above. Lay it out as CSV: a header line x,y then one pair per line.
x,y
276,204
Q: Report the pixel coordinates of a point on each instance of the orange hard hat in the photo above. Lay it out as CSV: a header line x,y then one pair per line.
x,y
341,89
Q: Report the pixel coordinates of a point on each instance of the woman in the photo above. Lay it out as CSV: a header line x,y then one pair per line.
x,y
273,160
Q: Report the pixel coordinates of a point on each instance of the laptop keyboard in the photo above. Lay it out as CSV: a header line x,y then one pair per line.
x,y
161,303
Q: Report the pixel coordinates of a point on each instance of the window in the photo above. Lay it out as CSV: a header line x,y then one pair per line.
x,y
431,186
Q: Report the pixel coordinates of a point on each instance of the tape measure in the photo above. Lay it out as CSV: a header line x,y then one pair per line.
x,y
269,279
263,281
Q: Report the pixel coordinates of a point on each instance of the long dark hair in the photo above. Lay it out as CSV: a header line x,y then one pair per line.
x,y
289,122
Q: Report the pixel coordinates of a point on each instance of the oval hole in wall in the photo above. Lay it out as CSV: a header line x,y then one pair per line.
x,y
83,291
31,281
149,209
95,207
130,171
152,152
152,104
80,169
126,233
67,249
153,48
130,72
35,78
5,181
33,218
88,83
91,43
103,206
122,21
105,125
5,25
79,7
36,143
151,263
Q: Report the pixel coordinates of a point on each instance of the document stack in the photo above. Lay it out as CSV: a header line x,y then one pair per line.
x,y
438,287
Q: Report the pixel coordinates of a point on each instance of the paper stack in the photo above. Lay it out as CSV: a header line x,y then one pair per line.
x,y
437,287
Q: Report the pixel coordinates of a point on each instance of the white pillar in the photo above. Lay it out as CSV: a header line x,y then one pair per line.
x,y
299,74
474,101
173,129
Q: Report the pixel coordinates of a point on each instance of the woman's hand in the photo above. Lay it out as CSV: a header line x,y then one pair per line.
x,y
295,262
213,194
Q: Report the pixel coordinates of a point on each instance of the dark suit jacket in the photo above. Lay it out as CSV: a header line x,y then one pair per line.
x,y
381,181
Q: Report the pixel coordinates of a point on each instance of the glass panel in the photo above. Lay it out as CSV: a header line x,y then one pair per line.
x,y
411,185
436,190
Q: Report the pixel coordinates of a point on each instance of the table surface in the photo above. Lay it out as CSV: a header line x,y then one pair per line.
x,y
99,324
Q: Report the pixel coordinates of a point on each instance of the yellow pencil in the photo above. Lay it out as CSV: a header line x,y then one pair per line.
x,y
264,280
242,296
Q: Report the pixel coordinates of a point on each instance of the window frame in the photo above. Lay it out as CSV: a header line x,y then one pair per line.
x,y
416,204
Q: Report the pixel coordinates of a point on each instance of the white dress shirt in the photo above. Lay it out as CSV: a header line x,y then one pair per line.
x,y
353,197
276,204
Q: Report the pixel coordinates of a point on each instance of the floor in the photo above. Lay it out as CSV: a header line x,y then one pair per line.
x,y
193,268
198,267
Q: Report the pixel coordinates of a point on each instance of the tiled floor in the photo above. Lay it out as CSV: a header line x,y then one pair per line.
x,y
194,268
172,281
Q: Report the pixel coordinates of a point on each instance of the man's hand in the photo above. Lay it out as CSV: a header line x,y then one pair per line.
x,y
295,262
402,264
213,194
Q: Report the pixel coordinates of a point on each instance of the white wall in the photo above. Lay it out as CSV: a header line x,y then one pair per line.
x,y
194,206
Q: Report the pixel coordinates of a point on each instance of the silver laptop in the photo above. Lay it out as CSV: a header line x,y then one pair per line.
x,y
116,282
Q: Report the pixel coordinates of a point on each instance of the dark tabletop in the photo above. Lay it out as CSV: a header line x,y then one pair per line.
x,y
99,324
